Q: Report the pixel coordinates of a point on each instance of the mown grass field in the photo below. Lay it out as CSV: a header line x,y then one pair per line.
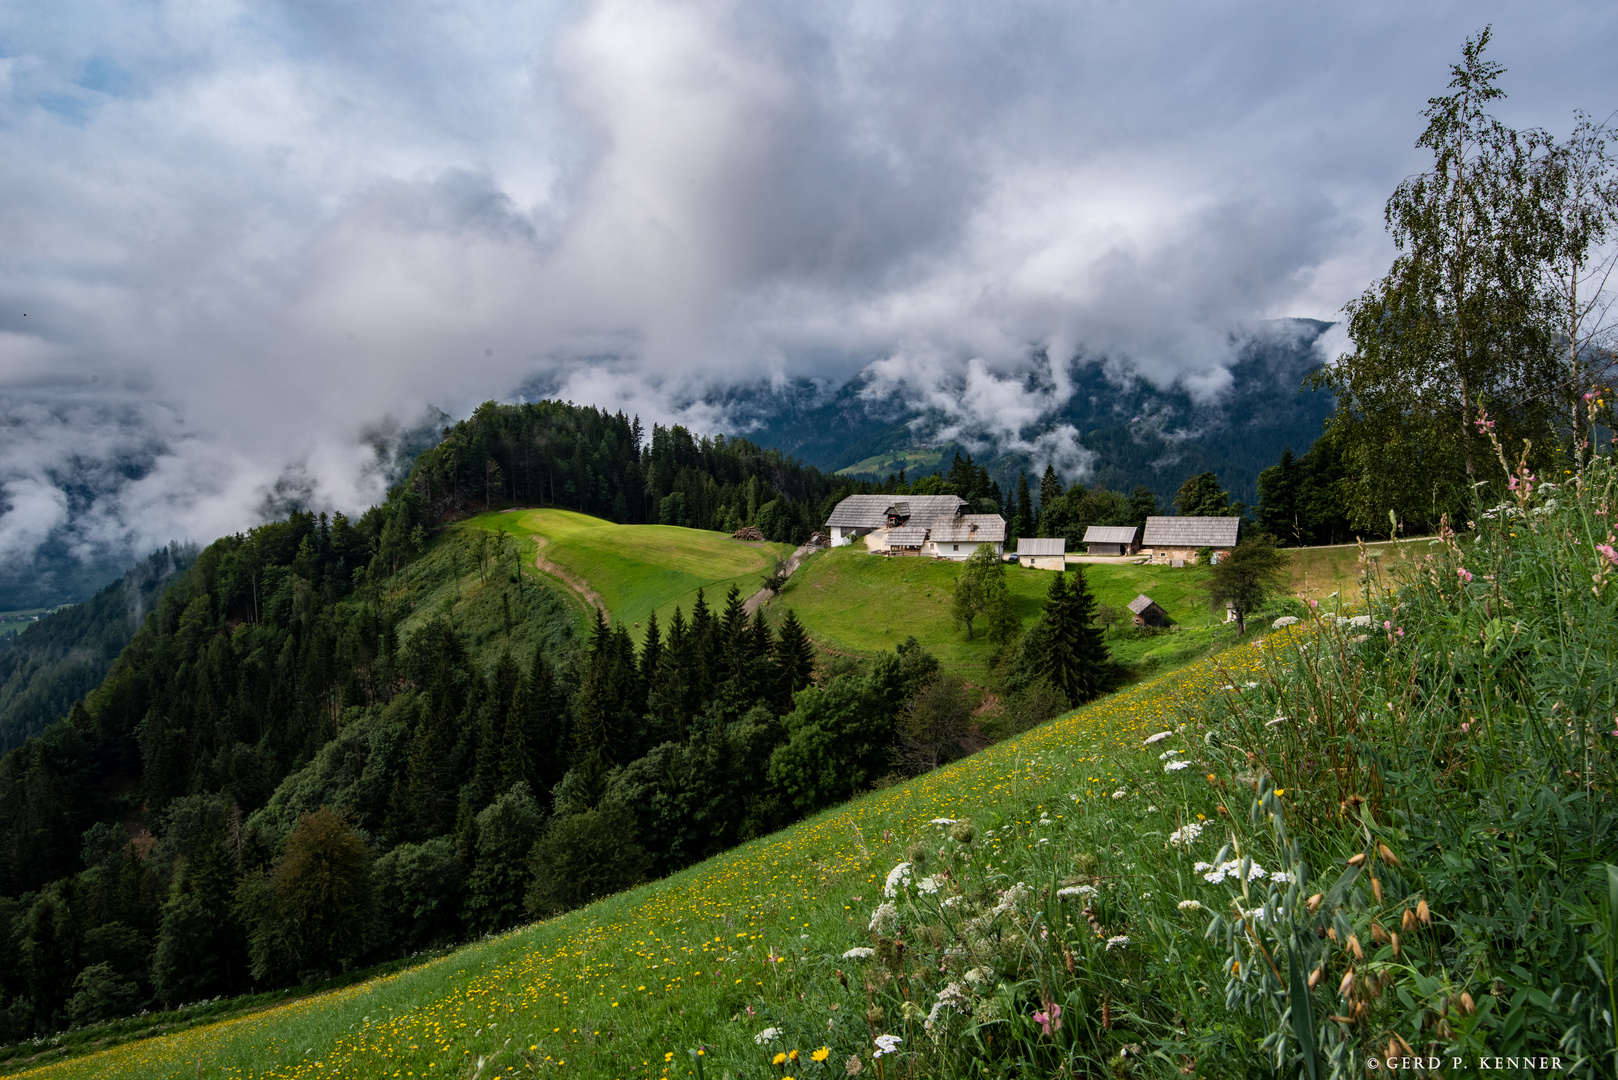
x,y
860,604
1319,572
638,569
629,986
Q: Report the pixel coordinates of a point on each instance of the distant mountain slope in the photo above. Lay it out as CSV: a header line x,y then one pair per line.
x,y
1139,433
65,655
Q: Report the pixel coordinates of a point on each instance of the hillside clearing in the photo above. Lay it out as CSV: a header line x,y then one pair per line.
x,y
638,569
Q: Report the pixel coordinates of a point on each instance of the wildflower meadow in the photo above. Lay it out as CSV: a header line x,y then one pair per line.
x,y
1358,838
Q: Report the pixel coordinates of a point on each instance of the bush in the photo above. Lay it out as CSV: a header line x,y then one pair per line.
x,y
583,857
418,890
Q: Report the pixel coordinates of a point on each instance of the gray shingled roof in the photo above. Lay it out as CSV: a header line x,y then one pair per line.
x,y
1193,532
871,511
907,536
971,528
1110,534
1141,603
1041,545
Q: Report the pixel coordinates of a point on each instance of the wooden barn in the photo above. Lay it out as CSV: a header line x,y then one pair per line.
x,y
1112,539
1042,553
1175,541
1146,612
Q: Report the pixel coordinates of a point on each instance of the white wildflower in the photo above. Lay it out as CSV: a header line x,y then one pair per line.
x,y
1202,867
979,975
887,1044
884,918
1120,793
1082,892
859,952
769,1034
1190,905
898,878
1117,941
944,821
1159,737
1186,834
1282,877
1176,766
1151,809
927,886
1165,755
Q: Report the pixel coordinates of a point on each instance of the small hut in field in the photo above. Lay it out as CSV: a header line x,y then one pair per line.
x,y
1146,612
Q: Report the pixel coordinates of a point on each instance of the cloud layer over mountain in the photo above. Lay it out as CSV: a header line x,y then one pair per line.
x,y
238,237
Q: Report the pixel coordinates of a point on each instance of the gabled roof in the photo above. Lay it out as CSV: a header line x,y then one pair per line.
x,y
1110,534
1041,545
871,511
907,536
930,510
861,512
1190,532
971,528
1141,603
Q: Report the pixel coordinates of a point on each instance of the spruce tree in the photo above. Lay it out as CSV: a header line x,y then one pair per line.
x,y
1025,508
794,661
1068,651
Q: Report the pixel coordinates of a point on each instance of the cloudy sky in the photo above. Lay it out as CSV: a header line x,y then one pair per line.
x,y
235,238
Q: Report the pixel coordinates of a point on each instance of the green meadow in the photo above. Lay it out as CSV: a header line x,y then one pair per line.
x,y
638,569
859,604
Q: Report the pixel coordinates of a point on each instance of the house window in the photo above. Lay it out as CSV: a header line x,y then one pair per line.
x,y
956,547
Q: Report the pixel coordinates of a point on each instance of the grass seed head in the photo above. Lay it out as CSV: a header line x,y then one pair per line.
x,y
1353,946
1346,987
1357,860
1424,913
1467,1005
1387,855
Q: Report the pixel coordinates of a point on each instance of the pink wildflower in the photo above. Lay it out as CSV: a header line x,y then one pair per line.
x,y
1314,603
1463,573
1400,631
1387,624
1608,553
1465,727
1049,1018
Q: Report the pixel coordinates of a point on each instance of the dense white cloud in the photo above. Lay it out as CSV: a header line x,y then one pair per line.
x,y
245,234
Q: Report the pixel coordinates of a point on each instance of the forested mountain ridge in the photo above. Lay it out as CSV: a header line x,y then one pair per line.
x,y
1141,434
64,655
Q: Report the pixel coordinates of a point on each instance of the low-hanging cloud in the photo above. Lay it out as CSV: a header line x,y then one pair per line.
x,y
246,240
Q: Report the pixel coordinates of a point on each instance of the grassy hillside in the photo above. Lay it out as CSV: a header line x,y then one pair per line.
x,y
628,986
636,569
913,461
856,603
1318,572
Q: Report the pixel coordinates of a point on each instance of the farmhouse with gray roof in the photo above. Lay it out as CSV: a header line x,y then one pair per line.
x,y
936,525
1176,540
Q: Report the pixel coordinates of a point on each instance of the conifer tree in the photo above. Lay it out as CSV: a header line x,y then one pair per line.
x,y
1067,650
1025,508
794,661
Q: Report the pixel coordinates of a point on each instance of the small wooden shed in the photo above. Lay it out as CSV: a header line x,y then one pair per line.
x,y
1112,539
1147,612
1042,552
